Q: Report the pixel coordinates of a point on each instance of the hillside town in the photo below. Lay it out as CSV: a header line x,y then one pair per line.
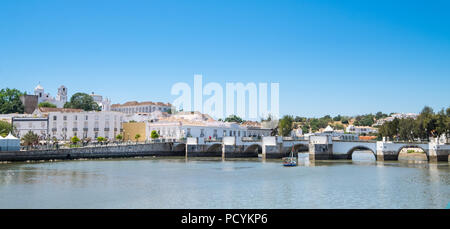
x,y
91,118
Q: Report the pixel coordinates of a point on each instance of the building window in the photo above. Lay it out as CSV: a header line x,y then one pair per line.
x,y
54,118
65,118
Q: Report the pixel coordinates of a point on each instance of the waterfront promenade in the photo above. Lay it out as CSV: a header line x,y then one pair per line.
x,y
318,148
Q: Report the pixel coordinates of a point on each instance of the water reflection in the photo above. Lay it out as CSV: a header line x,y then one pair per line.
x,y
233,183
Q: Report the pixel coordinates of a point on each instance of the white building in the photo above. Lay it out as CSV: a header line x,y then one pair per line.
x,y
297,133
361,130
104,104
64,123
145,117
59,101
334,134
141,107
195,124
394,116
37,125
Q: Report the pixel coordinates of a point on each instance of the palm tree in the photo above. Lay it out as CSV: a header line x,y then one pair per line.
x,y
30,139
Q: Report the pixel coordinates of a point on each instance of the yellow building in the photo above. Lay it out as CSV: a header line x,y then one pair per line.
x,y
131,129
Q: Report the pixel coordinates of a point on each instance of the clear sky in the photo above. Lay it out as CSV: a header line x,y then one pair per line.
x,y
330,57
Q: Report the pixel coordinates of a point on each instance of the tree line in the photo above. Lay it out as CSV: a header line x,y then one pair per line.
x,y
10,102
427,125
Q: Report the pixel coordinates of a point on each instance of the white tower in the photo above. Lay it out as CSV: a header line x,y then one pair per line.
x,y
39,91
62,94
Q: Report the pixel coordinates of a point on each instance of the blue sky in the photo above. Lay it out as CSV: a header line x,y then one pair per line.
x,y
330,57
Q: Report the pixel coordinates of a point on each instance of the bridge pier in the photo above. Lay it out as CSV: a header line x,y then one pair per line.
x,y
320,148
438,152
320,152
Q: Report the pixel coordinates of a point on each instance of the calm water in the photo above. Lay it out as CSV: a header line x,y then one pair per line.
x,y
209,183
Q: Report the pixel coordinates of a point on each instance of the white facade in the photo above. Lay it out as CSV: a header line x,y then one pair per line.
x,y
91,124
38,126
145,117
297,132
394,116
143,107
104,104
59,101
334,134
197,125
360,130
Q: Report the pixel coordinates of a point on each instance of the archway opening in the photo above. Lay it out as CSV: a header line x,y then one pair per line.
x,y
254,149
412,154
361,154
216,148
180,148
302,151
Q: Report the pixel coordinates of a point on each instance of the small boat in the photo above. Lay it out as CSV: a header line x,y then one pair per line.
x,y
291,160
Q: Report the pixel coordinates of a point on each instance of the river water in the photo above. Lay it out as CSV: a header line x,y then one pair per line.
x,y
213,183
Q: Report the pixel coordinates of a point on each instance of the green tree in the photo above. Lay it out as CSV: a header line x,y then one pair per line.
x,y
406,129
101,139
234,118
75,140
82,101
136,137
364,120
10,101
5,128
119,137
30,139
47,104
380,115
285,125
154,134
442,123
337,118
345,120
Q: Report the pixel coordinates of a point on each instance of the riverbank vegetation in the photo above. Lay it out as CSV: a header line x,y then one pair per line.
x,y
427,125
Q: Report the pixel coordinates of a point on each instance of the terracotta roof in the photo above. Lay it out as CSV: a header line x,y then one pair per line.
x,y
251,123
51,109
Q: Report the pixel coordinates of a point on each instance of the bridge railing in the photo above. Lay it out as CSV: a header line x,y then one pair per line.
x,y
213,140
251,139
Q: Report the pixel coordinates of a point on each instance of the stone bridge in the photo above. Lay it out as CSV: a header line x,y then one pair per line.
x,y
318,147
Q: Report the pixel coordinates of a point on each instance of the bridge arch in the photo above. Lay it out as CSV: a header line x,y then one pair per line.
x,y
425,151
359,147
181,147
301,147
217,147
253,148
